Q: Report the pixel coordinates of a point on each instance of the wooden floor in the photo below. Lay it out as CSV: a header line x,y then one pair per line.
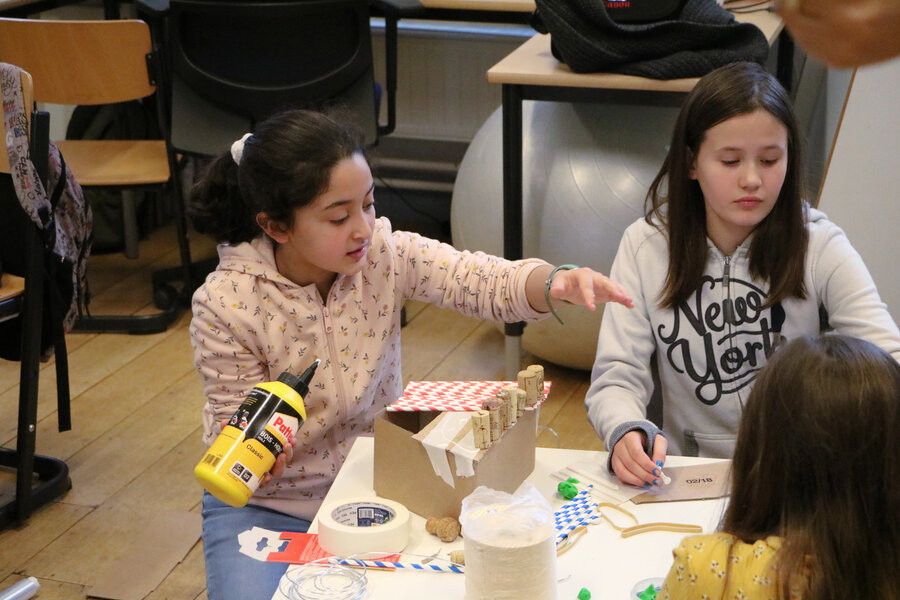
x,y
135,439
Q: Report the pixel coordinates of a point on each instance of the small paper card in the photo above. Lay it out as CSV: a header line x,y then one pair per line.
x,y
269,546
451,395
693,482
301,548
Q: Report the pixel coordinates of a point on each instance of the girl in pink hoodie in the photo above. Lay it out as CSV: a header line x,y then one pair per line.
x,y
306,270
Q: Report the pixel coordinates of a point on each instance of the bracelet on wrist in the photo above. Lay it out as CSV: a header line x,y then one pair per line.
x,y
547,288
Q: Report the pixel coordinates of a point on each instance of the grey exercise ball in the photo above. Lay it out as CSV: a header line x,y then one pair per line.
x,y
587,170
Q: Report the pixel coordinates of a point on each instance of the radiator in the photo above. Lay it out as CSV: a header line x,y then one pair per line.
x,y
442,92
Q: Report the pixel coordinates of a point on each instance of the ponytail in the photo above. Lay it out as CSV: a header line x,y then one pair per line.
x,y
285,165
217,208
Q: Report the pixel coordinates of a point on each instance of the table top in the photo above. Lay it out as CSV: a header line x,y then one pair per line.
x,y
21,8
525,6
602,561
533,64
11,4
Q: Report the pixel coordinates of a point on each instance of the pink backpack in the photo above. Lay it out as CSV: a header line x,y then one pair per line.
x,y
60,212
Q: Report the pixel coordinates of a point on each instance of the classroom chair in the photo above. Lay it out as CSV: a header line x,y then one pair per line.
x,y
233,63
23,296
102,62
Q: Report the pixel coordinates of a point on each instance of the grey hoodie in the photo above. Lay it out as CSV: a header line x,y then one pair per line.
x,y
709,350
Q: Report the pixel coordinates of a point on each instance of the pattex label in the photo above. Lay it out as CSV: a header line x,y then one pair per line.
x,y
279,430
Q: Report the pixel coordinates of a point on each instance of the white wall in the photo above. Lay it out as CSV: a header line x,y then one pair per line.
x,y
861,191
442,90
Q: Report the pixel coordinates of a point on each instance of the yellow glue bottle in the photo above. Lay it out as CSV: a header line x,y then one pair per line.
x,y
248,445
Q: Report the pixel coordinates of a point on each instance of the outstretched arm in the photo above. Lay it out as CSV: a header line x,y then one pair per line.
x,y
579,286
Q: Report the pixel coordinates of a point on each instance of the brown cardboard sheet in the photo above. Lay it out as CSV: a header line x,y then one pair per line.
x,y
694,482
403,471
160,542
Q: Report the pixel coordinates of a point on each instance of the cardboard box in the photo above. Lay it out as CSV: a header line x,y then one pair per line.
x,y
404,472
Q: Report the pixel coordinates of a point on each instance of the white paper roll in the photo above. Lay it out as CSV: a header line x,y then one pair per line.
x,y
510,554
361,525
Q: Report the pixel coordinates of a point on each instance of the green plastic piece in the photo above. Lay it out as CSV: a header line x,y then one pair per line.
x,y
567,490
573,480
584,594
649,593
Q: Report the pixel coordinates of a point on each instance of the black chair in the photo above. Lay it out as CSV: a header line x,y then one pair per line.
x,y
28,258
233,63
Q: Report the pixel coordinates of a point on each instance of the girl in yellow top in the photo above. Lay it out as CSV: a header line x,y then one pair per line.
x,y
815,500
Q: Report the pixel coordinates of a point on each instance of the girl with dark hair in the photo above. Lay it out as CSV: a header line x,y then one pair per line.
x,y
728,261
815,485
306,270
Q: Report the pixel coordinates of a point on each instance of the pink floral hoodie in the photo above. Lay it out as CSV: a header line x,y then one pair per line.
x,y
251,323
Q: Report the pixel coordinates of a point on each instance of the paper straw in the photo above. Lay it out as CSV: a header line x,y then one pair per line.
x,y
384,564
574,513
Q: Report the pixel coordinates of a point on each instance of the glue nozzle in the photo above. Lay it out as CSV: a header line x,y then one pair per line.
x,y
307,375
301,383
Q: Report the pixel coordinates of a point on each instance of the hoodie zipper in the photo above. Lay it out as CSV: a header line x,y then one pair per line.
x,y
343,409
727,304
728,314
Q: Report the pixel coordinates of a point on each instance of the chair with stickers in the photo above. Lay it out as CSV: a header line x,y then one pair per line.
x,y
31,319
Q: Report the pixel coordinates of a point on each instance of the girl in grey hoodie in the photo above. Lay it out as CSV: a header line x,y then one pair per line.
x,y
727,263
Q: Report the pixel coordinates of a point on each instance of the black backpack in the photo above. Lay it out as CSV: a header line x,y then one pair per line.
x,y
696,38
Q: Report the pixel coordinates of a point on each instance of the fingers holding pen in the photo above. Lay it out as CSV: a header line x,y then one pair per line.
x,y
633,466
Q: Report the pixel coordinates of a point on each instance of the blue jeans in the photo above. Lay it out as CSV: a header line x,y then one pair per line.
x,y
231,575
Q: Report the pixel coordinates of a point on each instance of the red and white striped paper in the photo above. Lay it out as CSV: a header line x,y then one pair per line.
x,y
450,395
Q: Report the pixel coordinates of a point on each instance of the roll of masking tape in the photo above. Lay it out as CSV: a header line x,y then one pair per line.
x,y
361,525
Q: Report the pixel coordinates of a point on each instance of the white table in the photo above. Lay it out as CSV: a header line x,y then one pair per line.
x,y
601,560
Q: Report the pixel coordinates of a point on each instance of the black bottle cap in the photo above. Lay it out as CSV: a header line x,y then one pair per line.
x,y
300,383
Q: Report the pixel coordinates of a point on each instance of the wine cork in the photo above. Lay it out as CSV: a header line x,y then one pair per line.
x,y
494,406
520,402
510,395
538,372
524,374
505,406
446,528
528,383
481,428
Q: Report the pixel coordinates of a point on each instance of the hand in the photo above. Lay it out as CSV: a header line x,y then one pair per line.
x,y
281,461
632,465
587,287
844,33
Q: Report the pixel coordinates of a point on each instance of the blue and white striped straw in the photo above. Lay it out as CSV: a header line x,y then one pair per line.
x,y
384,564
574,513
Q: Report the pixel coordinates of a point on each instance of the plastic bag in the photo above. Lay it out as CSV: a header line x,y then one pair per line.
x,y
509,545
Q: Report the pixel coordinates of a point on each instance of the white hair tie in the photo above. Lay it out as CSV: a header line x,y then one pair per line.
x,y
237,148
